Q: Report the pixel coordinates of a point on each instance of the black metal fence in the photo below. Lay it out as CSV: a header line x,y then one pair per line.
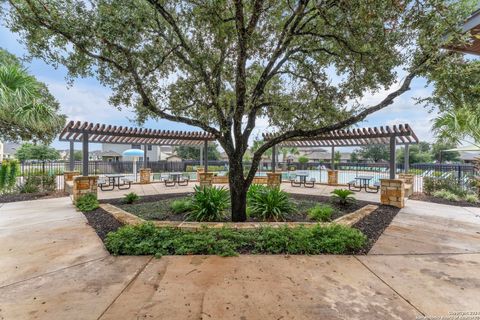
x,y
463,174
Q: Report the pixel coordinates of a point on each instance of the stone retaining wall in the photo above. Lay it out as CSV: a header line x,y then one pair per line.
x,y
84,185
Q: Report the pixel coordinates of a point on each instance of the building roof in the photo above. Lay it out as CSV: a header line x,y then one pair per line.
x,y
110,153
102,133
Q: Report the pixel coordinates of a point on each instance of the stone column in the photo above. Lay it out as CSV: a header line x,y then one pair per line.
x,y
392,192
68,177
199,170
145,175
274,179
408,178
83,185
332,177
205,178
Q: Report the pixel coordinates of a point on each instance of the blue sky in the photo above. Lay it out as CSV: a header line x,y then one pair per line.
x,y
87,100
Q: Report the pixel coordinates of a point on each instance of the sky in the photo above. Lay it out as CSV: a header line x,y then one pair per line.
x,y
86,99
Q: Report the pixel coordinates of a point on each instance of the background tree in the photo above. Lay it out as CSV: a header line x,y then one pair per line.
x,y
303,159
28,151
438,154
193,153
27,110
354,157
77,155
374,153
296,64
417,153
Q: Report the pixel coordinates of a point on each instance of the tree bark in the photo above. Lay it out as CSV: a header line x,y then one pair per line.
x,y
238,191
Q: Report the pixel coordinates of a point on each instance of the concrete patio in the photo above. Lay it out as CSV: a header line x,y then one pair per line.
x,y
55,267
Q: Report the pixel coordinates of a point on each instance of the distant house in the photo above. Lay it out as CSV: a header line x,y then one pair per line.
x,y
113,152
173,158
469,157
8,150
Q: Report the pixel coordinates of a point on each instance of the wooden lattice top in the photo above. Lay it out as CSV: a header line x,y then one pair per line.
x,y
102,133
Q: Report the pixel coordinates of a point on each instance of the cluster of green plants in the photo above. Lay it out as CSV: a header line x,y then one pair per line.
x,y
450,196
432,184
9,170
147,239
87,202
343,196
130,198
321,213
209,204
269,203
181,206
38,183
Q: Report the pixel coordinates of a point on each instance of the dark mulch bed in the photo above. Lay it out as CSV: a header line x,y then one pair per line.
x,y
428,198
102,222
374,224
14,197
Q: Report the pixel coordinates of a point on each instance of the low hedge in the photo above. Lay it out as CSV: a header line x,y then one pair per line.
x,y
147,239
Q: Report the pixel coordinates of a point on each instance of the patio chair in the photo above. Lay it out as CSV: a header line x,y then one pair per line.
x,y
126,184
183,181
294,182
310,183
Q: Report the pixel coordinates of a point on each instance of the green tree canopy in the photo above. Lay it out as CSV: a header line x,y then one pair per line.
x,y
438,154
28,151
374,153
220,65
193,153
27,110
416,154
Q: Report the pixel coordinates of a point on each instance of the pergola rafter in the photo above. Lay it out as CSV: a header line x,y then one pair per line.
x,y
392,135
87,132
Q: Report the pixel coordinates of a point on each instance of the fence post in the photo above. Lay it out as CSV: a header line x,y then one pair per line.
x,y
459,175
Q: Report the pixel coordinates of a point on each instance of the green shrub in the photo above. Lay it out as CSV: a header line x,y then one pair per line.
x,y
9,170
130,198
447,195
209,204
432,184
270,204
38,183
343,196
321,212
146,239
28,187
472,198
87,202
254,190
181,206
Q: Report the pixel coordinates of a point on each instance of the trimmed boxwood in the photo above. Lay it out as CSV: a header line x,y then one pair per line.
x,y
147,239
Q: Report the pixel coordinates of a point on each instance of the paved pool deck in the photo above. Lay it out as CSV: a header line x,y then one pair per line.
x,y
54,266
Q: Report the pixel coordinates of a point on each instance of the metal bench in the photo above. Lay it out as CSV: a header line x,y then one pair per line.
x,y
352,185
169,182
126,184
294,182
310,183
375,187
183,181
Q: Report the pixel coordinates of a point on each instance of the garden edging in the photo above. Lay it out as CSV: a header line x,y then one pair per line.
x,y
127,218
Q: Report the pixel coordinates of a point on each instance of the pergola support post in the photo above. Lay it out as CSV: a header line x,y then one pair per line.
x,y
85,154
205,155
274,158
201,156
406,158
145,147
72,156
393,146
332,160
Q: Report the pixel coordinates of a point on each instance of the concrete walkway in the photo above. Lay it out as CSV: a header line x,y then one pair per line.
x,y
55,267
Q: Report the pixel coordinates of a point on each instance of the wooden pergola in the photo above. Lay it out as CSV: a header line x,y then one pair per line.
x,y
87,132
472,26
393,136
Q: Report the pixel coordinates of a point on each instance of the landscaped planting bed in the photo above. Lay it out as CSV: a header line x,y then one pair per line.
x,y
14,197
433,199
146,238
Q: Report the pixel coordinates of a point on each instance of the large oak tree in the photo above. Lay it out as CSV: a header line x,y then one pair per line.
x,y
221,64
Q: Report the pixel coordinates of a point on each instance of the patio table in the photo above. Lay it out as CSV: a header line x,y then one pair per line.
x,y
114,177
175,176
303,177
364,181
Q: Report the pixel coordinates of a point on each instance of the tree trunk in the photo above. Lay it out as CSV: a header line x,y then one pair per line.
x,y
238,192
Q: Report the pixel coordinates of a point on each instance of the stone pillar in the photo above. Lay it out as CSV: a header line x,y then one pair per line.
x,y
68,180
205,178
392,192
199,170
145,175
83,185
274,179
332,177
408,178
